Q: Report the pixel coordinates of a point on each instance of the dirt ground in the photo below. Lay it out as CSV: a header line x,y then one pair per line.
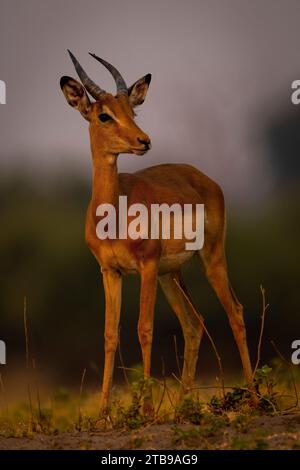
x,y
264,432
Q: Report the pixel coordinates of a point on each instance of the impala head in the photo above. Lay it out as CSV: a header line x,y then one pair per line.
x,y
112,126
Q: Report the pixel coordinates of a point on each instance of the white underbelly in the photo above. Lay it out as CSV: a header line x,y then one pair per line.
x,y
172,262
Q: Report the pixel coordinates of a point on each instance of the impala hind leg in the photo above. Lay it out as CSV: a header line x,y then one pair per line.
x,y
215,268
112,281
145,325
191,324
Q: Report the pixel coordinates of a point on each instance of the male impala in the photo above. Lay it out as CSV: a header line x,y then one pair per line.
x,y
113,131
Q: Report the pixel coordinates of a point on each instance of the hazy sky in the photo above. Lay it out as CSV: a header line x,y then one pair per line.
x,y
220,69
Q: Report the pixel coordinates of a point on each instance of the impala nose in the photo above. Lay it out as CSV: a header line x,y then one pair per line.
x,y
146,143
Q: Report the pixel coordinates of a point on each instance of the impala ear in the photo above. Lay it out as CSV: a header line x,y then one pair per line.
x,y
137,92
76,96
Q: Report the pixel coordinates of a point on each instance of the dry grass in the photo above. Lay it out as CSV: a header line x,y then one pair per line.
x,y
213,416
63,411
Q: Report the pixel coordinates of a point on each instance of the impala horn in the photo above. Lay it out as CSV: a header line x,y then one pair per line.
x,y
120,82
94,90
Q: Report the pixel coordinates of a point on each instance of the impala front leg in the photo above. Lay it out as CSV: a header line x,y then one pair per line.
x,y
112,281
145,325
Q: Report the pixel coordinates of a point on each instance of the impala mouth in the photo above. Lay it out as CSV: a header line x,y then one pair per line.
x,y
140,151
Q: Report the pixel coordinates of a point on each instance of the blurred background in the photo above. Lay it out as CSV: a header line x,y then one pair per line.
x,y
219,99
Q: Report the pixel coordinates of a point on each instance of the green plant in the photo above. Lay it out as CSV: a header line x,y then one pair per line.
x,y
137,442
189,411
188,437
240,443
212,424
264,380
231,401
235,399
132,417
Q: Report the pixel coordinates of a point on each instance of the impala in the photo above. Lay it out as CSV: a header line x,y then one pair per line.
x,y
113,131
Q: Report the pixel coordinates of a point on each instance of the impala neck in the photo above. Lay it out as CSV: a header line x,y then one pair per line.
x,y
105,179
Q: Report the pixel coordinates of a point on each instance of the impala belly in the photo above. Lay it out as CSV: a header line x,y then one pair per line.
x,y
172,262
166,264
116,256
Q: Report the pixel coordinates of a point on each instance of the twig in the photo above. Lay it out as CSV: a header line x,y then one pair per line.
x,y
162,384
129,368
176,378
31,418
207,332
177,356
270,403
122,362
82,383
37,390
263,316
207,387
170,399
164,389
80,395
26,332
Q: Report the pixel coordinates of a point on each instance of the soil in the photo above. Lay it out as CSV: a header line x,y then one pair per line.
x,y
263,432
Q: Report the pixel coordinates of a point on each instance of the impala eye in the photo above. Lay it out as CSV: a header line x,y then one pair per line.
x,y
104,117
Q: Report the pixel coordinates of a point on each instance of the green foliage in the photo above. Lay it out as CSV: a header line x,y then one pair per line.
x,y
253,441
212,424
132,417
231,401
189,411
197,437
240,443
137,442
238,397
268,398
187,437
193,426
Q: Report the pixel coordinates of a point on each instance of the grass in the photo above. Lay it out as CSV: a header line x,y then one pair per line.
x,y
64,411
206,417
